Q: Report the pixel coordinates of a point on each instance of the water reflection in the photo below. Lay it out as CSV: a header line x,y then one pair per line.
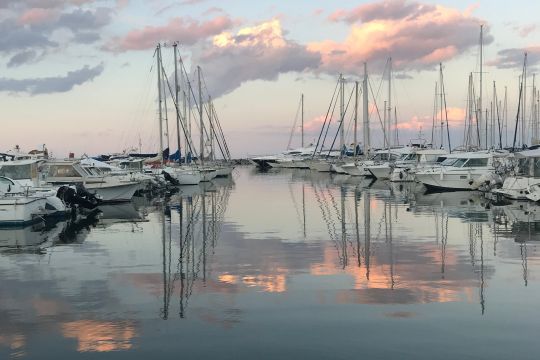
x,y
294,250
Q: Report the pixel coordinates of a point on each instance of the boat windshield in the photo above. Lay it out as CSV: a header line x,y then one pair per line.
x,y
477,162
408,157
449,162
63,171
459,162
17,172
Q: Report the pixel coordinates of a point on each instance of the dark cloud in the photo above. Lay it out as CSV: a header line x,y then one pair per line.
x,y
385,10
228,68
78,19
15,37
86,37
50,85
513,58
184,30
43,4
23,57
27,31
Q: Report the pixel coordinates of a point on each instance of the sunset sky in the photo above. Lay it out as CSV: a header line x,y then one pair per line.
x,y
79,75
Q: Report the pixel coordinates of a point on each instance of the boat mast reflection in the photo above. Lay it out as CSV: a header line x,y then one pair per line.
x,y
197,232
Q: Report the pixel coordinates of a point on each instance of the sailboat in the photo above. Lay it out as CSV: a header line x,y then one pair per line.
x,y
207,168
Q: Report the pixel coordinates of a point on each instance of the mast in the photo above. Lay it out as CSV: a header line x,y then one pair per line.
x,y
385,127
158,57
184,110
523,117
366,112
388,134
201,140
434,115
506,116
210,121
189,112
486,121
468,142
533,113
480,97
396,133
493,113
342,114
355,116
302,101
441,103
176,88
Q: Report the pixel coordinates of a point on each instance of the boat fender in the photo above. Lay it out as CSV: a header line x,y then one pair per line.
x,y
470,182
401,175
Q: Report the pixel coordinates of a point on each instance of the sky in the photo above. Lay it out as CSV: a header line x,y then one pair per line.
x,y
80,75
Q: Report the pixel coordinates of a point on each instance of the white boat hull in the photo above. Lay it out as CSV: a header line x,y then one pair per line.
x,y
381,172
20,211
224,171
516,187
446,181
352,169
114,192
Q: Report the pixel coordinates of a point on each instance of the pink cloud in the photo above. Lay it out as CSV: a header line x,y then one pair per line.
x,y
383,10
415,35
314,124
120,4
185,30
36,16
456,117
254,52
526,30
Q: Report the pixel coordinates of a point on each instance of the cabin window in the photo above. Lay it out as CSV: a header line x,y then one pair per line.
x,y
459,162
448,162
523,166
440,159
536,169
410,157
477,162
17,172
62,171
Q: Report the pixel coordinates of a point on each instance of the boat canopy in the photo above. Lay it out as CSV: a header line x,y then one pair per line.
x,y
528,154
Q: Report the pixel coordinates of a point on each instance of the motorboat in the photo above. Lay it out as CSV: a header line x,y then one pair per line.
x,y
404,156
524,176
19,207
463,171
107,188
405,170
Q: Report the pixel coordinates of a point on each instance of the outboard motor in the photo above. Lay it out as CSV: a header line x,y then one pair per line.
x,y
77,197
169,178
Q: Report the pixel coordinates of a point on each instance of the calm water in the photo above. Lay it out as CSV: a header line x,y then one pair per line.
x,y
278,265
